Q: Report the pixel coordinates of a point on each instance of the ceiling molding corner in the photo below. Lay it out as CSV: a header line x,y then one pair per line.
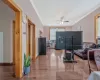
x,y
36,11
90,11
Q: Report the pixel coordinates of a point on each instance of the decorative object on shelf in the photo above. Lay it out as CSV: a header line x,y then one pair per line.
x,y
24,20
27,62
80,28
40,33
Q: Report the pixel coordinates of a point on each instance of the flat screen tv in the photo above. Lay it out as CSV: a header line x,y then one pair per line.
x,y
69,40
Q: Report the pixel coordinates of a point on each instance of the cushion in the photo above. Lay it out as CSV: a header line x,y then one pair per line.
x,y
89,45
93,46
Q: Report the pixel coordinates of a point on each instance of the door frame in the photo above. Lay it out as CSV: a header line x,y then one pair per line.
x,y
96,27
33,38
18,36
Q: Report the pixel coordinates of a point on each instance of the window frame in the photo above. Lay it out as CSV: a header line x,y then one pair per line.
x,y
55,28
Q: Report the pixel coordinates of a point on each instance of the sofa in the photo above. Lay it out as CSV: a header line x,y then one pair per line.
x,y
82,53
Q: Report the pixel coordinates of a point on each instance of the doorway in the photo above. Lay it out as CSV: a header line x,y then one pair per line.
x,y
31,40
18,37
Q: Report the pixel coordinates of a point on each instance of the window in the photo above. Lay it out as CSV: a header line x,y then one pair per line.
x,y
53,32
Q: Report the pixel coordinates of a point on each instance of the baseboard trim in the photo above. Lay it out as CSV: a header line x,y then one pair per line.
x,y
6,64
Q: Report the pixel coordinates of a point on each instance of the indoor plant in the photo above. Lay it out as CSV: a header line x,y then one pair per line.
x,y
27,62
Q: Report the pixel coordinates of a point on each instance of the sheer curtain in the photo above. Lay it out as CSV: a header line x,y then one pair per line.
x,y
53,32
98,31
99,27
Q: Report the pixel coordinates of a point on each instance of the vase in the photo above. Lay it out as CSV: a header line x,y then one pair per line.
x,y
26,70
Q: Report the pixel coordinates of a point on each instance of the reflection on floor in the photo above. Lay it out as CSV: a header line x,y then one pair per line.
x,y
51,67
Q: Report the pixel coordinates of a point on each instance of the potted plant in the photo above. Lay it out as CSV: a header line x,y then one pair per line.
x,y
27,62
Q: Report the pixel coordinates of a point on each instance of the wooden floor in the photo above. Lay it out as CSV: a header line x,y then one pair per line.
x,y
51,67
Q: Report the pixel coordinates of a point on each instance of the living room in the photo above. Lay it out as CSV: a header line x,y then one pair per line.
x,y
54,40
89,24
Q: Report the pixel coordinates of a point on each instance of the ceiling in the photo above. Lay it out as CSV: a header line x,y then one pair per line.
x,y
50,11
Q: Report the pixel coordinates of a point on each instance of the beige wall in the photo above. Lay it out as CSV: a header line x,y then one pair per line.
x,y
68,28
46,31
87,26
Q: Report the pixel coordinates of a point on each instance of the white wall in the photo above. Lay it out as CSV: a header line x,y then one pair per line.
x,y
28,9
6,18
87,26
24,25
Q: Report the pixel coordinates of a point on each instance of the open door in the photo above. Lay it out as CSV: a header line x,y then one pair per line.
x,y
34,42
28,39
13,42
31,44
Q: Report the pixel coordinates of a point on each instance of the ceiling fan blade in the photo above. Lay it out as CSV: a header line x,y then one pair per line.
x,y
65,21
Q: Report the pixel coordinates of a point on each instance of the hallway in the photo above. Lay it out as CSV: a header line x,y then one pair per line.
x,y
51,67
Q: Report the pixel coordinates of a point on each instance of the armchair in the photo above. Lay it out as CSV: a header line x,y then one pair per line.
x,y
96,60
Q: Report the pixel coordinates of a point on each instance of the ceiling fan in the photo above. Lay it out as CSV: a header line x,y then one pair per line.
x,y
62,20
